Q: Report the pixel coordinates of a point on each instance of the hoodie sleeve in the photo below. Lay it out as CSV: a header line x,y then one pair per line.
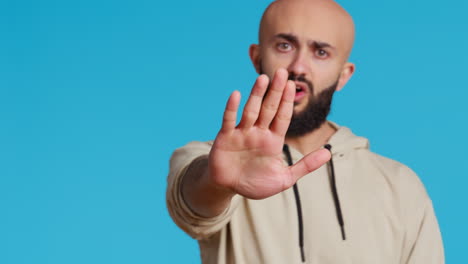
x,y
422,240
196,226
428,247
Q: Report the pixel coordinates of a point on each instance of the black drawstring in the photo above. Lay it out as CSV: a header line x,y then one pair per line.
x,y
298,205
336,199
298,200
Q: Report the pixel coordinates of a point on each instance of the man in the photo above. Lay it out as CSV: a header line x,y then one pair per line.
x,y
244,196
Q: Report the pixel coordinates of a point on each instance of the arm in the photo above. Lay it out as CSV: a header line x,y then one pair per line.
x,y
428,247
201,194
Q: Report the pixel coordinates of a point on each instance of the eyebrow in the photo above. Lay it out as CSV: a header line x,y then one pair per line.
x,y
288,37
321,45
315,43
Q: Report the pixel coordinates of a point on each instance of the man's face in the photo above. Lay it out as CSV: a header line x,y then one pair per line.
x,y
309,42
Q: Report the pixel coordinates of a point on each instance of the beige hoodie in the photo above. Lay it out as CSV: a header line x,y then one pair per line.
x,y
388,216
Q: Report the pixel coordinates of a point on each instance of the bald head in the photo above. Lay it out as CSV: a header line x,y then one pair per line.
x,y
321,19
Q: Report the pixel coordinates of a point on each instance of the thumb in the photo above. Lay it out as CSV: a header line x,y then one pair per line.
x,y
309,163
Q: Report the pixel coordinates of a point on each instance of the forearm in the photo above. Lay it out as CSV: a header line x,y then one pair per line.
x,y
200,193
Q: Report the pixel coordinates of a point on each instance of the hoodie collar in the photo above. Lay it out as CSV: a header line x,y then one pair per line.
x,y
343,141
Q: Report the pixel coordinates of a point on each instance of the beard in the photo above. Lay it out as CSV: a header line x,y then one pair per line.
x,y
316,111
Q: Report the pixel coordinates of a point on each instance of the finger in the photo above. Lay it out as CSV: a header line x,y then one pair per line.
x,y
230,113
272,99
252,107
309,163
282,119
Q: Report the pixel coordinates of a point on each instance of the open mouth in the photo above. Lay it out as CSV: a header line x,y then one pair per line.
x,y
300,93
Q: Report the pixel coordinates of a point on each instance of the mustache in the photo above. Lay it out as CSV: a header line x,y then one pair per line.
x,y
303,79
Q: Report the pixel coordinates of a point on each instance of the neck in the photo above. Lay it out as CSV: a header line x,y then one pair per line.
x,y
312,141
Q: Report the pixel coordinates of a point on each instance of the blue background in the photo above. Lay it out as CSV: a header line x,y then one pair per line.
x,y
95,95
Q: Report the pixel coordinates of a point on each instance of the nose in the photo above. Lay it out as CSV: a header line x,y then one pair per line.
x,y
299,65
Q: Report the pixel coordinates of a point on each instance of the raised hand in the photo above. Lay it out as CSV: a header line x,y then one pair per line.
x,y
247,159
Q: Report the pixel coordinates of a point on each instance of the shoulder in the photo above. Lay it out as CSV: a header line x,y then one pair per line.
x,y
184,155
402,181
193,148
399,172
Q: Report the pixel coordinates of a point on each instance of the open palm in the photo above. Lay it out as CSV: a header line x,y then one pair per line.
x,y
247,158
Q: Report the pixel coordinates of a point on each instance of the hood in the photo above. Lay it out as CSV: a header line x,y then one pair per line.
x,y
344,141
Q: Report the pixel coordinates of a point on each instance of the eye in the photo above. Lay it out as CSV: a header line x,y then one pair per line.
x,y
284,46
321,53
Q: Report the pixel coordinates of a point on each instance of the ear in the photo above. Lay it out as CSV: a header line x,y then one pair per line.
x,y
346,74
254,53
